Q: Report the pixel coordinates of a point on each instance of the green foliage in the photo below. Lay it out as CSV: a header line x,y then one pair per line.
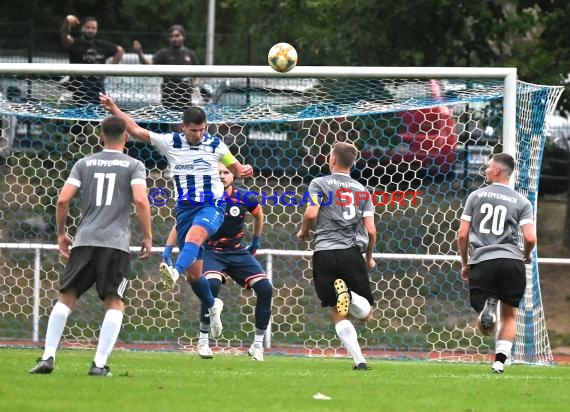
x,y
530,35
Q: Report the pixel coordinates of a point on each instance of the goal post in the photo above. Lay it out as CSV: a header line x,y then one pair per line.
x,y
423,134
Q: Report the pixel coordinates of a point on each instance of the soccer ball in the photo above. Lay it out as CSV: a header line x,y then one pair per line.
x,y
282,57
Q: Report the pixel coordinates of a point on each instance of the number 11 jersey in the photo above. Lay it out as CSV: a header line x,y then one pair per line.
x,y
105,181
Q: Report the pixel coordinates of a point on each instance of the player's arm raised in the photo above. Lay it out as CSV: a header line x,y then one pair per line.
x,y
132,127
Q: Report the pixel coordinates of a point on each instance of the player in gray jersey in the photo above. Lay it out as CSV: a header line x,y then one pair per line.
x,y
109,181
343,217
491,260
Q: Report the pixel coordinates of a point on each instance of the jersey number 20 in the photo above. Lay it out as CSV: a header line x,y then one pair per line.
x,y
494,217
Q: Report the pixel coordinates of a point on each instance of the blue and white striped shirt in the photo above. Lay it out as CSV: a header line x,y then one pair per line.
x,y
194,168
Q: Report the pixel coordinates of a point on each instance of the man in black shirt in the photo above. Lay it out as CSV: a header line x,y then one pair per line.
x,y
176,91
87,49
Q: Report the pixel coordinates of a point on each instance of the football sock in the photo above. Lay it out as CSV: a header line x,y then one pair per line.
x,y
359,306
503,350
264,292
187,256
500,357
202,289
215,285
108,336
56,324
204,335
347,334
259,335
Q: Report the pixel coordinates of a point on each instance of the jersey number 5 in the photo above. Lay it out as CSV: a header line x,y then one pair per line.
x,y
494,217
349,210
101,177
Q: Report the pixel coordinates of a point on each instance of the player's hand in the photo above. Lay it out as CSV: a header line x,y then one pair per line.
x,y
254,245
370,263
167,255
106,102
465,273
146,248
303,235
527,260
137,46
246,171
64,242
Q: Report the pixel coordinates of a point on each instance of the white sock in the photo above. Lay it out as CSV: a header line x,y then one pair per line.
x,y
504,347
56,324
347,334
110,329
203,336
259,338
359,306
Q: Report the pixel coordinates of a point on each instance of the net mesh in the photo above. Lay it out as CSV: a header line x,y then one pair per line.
x,y
422,141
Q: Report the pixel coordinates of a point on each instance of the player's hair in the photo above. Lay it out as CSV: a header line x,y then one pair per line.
x,y
345,153
87,19
177,27
113,129
193,115
505,160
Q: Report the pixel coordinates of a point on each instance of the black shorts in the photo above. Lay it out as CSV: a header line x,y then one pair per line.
x,y
345,264
504,279
107,268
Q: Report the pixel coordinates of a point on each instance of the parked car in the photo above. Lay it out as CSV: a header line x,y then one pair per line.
x,y
401,148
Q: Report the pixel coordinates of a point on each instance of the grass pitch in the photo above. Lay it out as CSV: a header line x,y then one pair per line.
x,y
167,381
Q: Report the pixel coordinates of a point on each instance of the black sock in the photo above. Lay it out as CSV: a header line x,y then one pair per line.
x,y
500,357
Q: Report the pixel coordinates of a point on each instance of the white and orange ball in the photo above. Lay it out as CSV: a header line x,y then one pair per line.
x,y
282,57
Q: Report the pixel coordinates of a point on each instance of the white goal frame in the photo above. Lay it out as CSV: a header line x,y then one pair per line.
x,y
509,107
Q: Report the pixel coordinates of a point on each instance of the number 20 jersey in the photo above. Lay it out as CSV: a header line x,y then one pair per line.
x,y
495,213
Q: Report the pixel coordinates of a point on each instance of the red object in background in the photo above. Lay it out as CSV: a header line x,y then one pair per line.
x,y
430,135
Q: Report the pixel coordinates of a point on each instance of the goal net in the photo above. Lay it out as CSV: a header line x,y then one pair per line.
x,y
424,136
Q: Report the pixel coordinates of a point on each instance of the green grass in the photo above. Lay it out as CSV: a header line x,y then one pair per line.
x,y
166,381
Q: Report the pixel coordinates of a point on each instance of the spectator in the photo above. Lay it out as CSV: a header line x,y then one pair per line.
x,y
87,49
176,91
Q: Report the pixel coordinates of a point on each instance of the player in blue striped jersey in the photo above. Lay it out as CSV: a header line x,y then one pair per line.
x,y
193,156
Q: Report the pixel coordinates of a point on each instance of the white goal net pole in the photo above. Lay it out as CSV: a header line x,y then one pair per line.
x,y
387,109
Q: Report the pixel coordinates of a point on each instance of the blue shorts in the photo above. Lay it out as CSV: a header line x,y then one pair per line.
x,y
240,265
208,216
